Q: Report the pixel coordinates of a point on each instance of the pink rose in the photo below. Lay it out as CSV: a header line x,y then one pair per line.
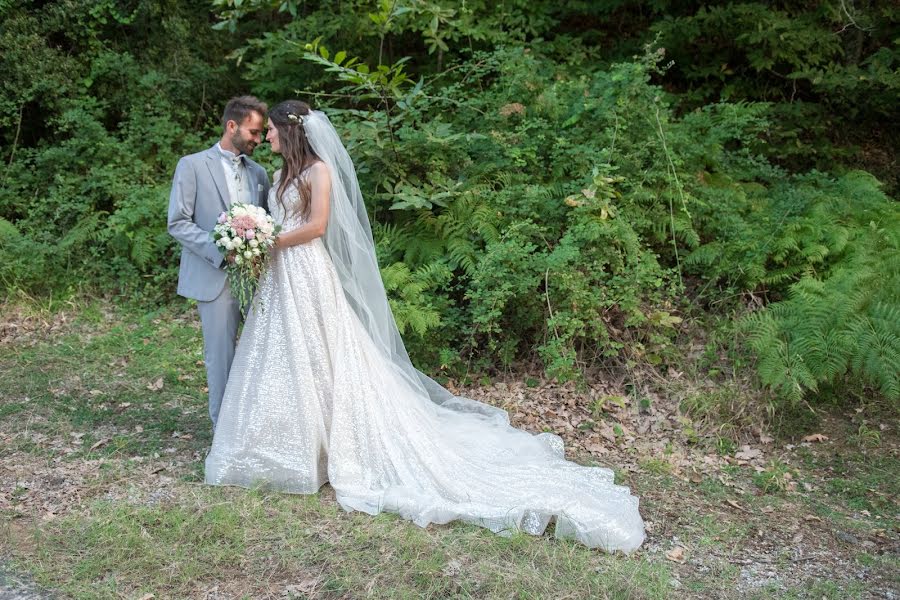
x,y
223,218
244,222
250,234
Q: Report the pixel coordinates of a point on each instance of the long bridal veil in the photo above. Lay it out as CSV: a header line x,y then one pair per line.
x,y
351,246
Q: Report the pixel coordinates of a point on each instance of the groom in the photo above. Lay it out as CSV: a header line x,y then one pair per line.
x,y
205,185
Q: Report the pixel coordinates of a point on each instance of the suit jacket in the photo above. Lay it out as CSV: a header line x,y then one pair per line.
x,y
199,195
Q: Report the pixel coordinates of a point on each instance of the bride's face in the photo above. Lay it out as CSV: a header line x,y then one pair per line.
x,y
272,137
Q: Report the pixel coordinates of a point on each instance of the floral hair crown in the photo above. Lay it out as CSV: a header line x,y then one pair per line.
x,y
294,118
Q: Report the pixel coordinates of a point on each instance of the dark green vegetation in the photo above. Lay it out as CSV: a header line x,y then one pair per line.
x,y
575,184
104,428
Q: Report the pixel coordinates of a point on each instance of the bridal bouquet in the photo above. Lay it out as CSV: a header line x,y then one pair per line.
x,y
245,234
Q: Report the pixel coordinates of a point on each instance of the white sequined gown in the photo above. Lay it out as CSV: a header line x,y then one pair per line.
x,y
310,400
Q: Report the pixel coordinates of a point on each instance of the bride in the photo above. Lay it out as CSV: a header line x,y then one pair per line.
x,y
322,389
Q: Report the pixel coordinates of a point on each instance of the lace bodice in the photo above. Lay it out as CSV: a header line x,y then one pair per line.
x,y
286,212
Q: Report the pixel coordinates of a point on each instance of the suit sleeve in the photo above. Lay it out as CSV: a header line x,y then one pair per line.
x,y
181,216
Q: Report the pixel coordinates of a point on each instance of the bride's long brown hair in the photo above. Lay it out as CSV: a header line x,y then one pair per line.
x,y
296,150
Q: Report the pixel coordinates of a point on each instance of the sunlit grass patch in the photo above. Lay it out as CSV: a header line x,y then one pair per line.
x,y
255,542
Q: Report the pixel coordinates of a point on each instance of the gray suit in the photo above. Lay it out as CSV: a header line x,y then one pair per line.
x,y
199,195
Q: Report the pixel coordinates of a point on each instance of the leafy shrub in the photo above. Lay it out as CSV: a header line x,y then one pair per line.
x,y
841,322
541,189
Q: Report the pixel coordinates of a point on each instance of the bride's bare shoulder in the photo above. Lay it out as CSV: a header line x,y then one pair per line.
x,y
319,169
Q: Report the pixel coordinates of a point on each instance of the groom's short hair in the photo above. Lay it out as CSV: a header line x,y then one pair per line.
x,y
239,108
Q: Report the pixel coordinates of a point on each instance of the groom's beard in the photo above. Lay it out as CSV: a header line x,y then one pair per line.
x,y
243,146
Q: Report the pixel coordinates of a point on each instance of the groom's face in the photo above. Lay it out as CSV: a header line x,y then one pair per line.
x,y
247,135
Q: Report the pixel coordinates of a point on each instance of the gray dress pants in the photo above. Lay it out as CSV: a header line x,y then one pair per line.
x,y
220,319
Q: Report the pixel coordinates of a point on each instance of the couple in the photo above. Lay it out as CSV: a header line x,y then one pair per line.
x,y
321,388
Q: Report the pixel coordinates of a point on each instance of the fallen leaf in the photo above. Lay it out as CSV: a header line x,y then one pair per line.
x,y
676,554
155,386
816,437
811,518
99,443
147,597
304,588
748,453
734,504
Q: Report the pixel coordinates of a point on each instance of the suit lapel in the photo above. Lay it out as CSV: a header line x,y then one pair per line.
x,y
214,163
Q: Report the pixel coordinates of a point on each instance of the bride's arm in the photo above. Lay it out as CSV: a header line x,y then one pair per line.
x,y
320,193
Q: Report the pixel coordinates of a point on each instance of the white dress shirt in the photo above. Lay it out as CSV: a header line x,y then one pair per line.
x,y
237,177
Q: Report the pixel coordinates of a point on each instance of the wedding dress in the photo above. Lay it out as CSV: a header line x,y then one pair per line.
x,y
314,397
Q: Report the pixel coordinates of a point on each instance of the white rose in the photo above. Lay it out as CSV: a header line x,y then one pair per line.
x,y
238,242
256,252
248,254
238,260
254,243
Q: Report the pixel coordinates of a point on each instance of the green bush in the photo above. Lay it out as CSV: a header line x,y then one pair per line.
x,y
543,187
840,323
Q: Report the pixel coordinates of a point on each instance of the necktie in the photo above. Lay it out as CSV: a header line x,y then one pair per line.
x,y
236,169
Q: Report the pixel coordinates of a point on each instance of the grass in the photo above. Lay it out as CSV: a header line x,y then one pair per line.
x,y
92,395
254,543
103,429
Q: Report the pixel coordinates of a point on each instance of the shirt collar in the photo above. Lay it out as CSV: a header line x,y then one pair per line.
x,y
231,156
